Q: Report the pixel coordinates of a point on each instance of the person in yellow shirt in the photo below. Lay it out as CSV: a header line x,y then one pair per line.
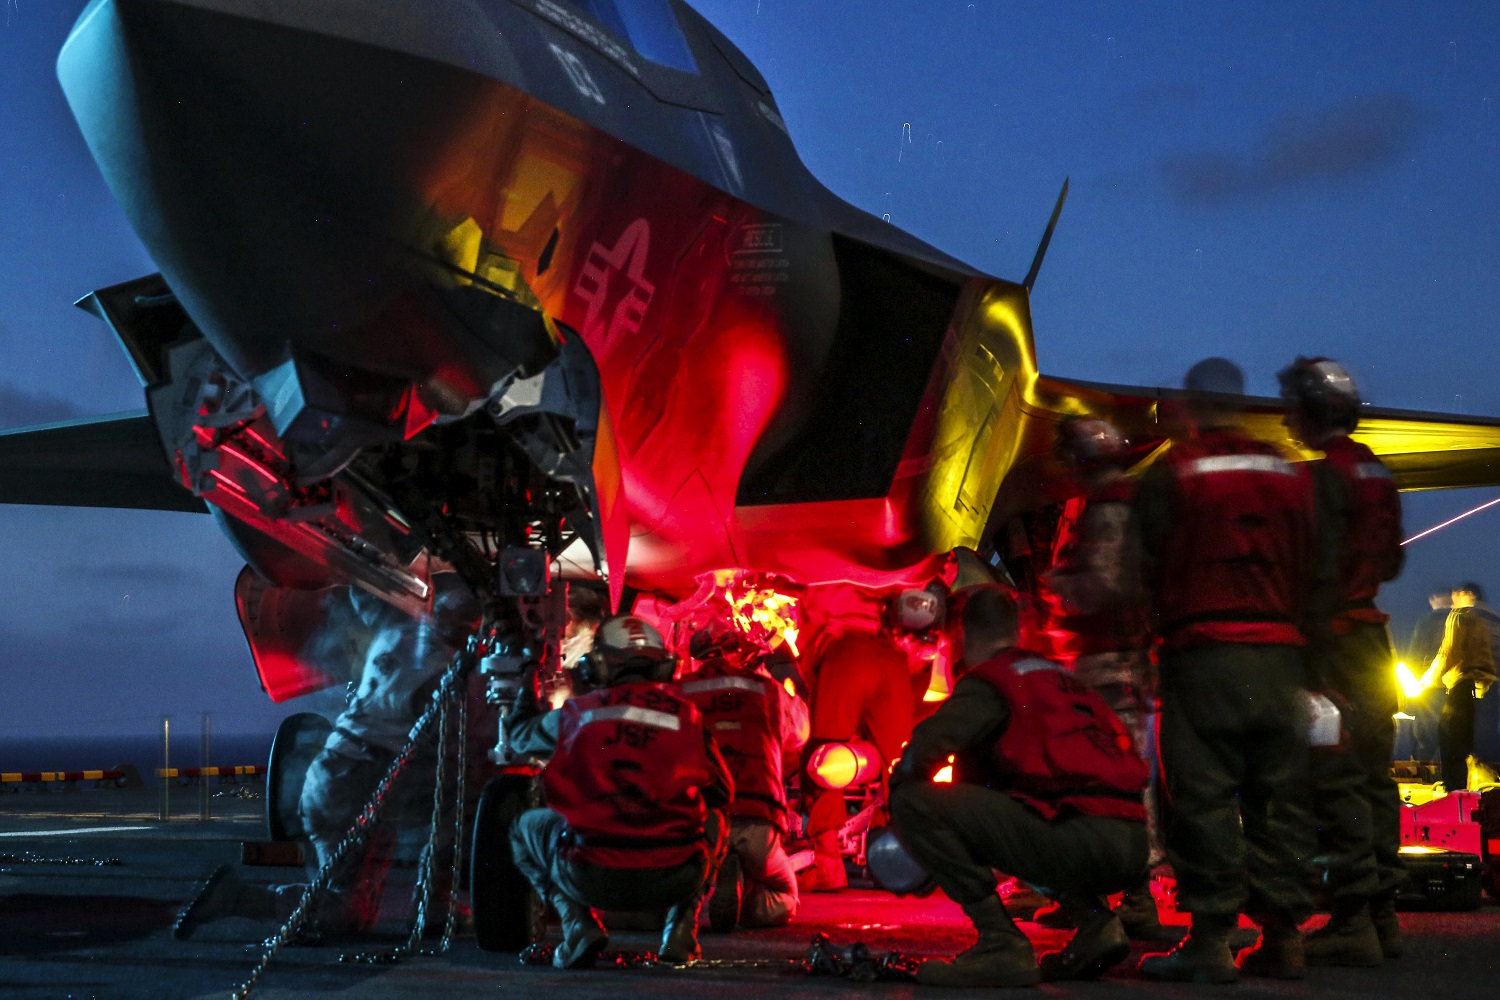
x,y
1465,663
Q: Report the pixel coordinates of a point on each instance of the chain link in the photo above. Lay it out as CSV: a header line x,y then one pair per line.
x,y
423,889
450,923
452,685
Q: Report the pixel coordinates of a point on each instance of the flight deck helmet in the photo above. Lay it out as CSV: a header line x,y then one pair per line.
x,y
1321,392
917,609
626,648
1091,442
719,638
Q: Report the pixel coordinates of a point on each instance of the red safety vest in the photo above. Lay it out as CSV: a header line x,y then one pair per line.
x,y
1372,542
627,777
1063,750
1111,631
743,711
1236,556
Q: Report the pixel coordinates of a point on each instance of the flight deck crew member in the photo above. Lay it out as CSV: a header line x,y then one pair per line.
x,y
862,689
760,728
1047,787
1098,612
1426,639
1465,663
635,791
1226,530
1356,801
400,660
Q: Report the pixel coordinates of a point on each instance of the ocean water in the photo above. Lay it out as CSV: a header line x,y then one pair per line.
x,y
78,753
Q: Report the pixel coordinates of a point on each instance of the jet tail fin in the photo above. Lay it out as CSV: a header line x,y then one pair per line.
x,y
1041,250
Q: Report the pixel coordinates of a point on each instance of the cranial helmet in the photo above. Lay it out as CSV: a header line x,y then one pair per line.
x,y
917,609
1323,391
1091,441
626,648
719,637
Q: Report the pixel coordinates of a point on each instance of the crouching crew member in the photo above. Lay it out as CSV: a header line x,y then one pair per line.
x,y
1226,529
1357,803
760,728
636,793
1047,787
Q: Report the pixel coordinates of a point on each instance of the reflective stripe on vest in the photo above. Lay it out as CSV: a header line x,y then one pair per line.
x,y
724,684
1024,667
630,713
1236,463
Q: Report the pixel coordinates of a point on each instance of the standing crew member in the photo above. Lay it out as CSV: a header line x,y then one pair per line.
x,y
636,793
1356,801
1047,787
1465,663
1226,529
401,659
863,687
1426,639
1098,619
760,728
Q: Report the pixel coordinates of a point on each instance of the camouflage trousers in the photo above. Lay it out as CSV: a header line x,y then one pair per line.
x,y
1126,680
1239,826
1357,804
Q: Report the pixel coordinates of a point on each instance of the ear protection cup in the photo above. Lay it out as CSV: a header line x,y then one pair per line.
x,y
593,669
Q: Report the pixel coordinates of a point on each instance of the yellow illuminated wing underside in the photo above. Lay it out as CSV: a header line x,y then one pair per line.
x,y
1425,451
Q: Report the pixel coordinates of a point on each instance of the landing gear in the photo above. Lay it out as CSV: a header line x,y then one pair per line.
x,y
508,914
298,740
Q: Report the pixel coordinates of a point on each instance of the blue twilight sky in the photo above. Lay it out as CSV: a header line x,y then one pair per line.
x,y
1252,180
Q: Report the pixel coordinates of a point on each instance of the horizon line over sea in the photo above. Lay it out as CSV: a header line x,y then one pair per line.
x,y
78,753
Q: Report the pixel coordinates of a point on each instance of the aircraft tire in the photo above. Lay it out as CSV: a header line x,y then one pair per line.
x,y
508,914
298,740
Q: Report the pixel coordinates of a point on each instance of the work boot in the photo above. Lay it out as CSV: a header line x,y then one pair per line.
x,y
215,899
827,873
1138,915
1387,926
1202,957
1348,939
1023,902
583,936
1054,916
1098,946
1001,957
1280,953
729,895
679,939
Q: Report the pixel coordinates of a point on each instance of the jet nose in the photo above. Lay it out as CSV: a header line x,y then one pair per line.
x,y
276,173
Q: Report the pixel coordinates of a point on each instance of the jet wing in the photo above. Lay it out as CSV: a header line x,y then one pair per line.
x,y
1424,451
112,461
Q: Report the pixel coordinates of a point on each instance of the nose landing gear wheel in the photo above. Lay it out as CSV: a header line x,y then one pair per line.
x,y
508,914
298,740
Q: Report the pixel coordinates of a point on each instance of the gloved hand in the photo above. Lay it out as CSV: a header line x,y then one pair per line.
x,y
528,702
782,667
902,773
